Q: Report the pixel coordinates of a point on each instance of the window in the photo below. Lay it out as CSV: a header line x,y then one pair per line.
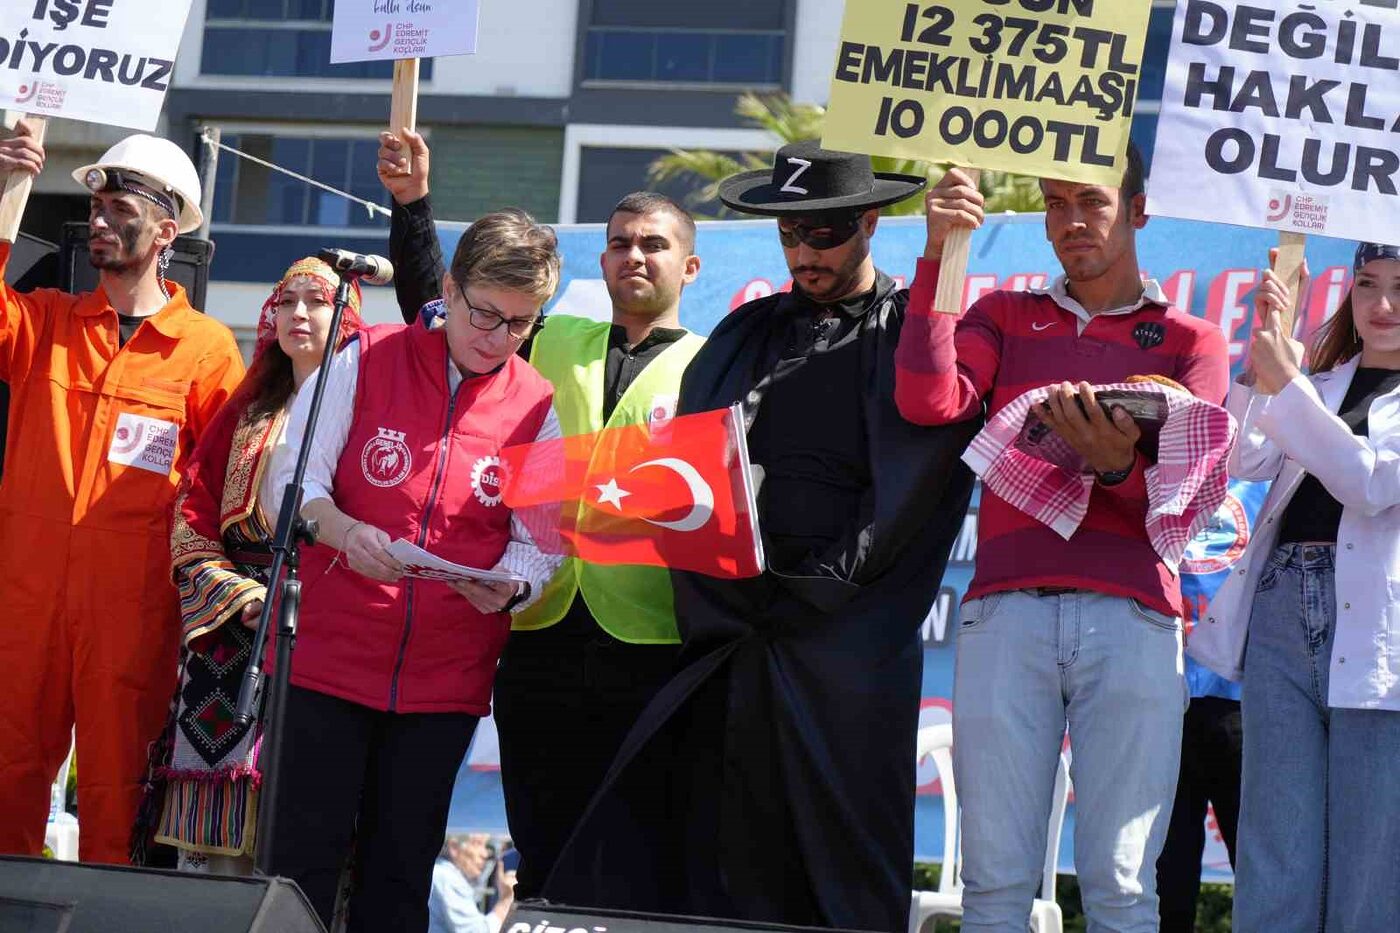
x,y
640,41
248,193
279,38
607,173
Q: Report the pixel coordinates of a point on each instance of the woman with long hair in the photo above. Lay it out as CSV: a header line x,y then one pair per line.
x,y
1312,617
393,670
203,795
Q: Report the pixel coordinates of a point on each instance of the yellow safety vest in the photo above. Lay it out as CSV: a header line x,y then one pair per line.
x,y
631,603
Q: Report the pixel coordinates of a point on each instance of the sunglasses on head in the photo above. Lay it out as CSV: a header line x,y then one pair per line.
x,y
819,231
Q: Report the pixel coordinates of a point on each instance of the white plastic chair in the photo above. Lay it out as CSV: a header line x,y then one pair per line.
x,y
937,741
61,834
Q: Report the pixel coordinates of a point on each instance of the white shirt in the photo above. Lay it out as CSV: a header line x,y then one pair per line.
x,y
1059,293
521,556
1283,438
452,906
269,493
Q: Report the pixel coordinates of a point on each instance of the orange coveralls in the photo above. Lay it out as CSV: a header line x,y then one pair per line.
x,y
89,620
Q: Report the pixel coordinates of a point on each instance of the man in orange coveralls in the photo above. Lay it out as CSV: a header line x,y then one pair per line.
x,y
109,392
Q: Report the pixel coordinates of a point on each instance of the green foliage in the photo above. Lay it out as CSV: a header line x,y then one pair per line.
x,y
1212,907
790,122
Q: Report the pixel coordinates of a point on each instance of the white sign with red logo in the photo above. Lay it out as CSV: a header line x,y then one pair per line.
x,y
662,410
377,30
104,61
1282,116
144,443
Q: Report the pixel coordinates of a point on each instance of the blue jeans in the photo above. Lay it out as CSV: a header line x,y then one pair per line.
x,y
1026,666
1319,839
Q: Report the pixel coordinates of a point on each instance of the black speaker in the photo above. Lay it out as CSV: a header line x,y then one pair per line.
x,y
189,266
44,896
33,264
542,917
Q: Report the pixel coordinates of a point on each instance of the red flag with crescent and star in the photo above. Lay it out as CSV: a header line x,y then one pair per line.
x,y
673,494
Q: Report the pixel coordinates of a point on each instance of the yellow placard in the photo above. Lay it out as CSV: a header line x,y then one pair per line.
x,y
1038,87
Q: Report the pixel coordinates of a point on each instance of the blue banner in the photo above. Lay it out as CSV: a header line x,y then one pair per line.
x,y
1206,269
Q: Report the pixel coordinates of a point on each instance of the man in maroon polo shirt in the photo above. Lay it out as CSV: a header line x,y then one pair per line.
x,y
1084,632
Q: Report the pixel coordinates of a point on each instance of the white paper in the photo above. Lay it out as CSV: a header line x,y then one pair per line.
x,y
105,61
378,30
1263,126
424,565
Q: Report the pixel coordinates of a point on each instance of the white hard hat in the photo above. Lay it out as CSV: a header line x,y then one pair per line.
x,y
158,164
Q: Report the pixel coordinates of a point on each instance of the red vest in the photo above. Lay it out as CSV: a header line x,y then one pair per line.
x,y
420,463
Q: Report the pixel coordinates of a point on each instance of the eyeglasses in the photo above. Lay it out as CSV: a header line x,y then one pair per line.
x,y
820,231
485,319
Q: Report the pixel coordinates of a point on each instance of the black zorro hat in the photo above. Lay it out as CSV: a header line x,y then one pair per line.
x,y
807,179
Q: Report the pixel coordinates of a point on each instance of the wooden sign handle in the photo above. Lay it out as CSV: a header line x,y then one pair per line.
x,y
952,270
1288,266
14,193
403,104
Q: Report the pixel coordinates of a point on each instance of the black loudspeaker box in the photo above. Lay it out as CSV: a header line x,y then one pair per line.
x,y
44,896
33,264
189,266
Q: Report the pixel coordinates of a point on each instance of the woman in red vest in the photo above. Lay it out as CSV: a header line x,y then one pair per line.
x,y
391,672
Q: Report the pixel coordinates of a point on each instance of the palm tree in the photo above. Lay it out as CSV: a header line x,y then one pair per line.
x,y
789,122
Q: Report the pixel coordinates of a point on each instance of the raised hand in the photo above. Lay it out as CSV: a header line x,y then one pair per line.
x,y
403,165
953,202
22,152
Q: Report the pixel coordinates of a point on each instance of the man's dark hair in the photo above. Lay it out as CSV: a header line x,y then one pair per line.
x,y
1134,174
651,202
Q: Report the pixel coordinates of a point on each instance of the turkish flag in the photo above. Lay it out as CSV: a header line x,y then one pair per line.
x,y
675,494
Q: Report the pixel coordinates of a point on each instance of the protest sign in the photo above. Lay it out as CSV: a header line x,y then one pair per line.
x,y
105,61
1039,87
379,30
1283,116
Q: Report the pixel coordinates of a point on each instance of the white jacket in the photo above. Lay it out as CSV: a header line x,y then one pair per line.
x,y
1282,438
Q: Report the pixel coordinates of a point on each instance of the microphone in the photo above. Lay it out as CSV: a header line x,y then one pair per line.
x,y
371,270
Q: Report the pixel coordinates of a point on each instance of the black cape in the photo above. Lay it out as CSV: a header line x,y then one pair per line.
x,y
773,778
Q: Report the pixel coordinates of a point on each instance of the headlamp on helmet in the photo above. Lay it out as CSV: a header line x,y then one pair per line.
x,y
99,179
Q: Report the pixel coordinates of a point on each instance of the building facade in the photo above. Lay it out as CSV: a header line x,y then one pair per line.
x,y
560,111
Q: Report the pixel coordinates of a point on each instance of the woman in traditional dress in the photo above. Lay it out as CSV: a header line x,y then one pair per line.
x,y
223,521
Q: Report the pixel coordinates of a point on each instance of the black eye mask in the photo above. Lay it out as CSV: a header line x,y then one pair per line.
x,y
818,232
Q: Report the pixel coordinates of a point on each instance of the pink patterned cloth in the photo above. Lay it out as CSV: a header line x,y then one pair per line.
x,y
1184,487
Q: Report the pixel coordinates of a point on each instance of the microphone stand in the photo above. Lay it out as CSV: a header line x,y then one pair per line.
x,y
291,531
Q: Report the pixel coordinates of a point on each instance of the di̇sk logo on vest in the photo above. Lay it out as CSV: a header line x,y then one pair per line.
x,y
488,481
702,496
386,460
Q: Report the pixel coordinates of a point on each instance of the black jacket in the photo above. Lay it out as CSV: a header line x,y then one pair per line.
x,y
773,777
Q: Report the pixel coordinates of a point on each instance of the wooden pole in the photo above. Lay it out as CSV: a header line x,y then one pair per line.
x,y
209,139
1288,266
14,193
952,270
403,104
